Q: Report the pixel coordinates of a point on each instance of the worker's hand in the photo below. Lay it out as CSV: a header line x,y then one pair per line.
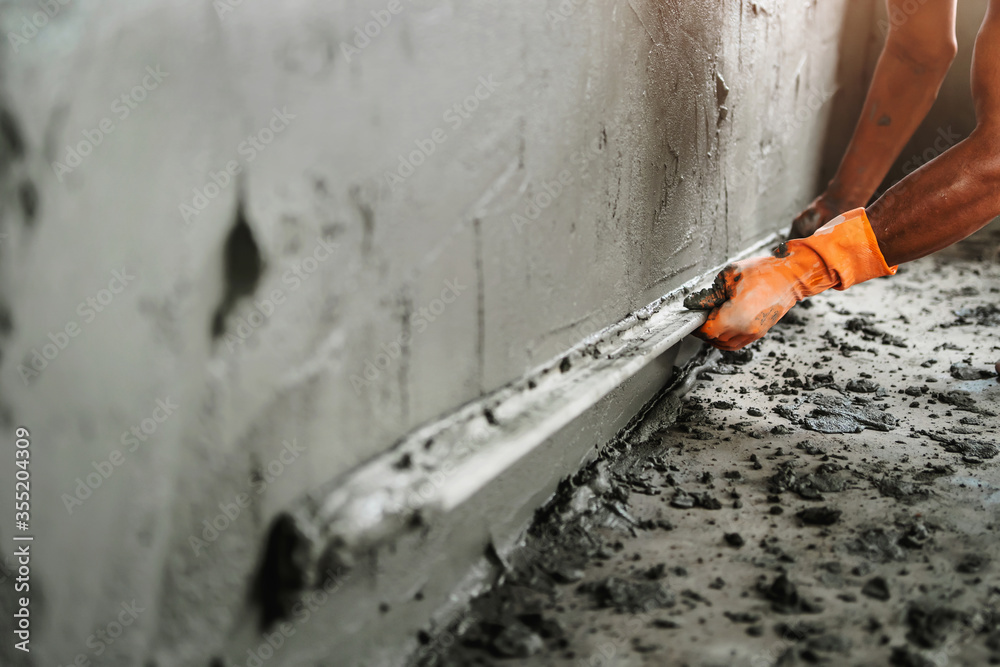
x,y
750,296
746,300
821,210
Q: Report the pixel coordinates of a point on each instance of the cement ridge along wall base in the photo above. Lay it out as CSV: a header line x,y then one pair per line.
x,y
440,466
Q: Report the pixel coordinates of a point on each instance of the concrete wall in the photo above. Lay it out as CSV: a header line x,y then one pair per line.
x,y
221,287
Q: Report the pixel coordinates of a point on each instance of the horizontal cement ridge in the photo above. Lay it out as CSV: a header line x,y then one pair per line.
x,y
439,466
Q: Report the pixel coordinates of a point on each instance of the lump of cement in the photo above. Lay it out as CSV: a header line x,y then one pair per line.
x,y
902,656
625,595
834,414
876,588
819,516
972,563
983,316
708,502
741,616
799,631
827,478
969,373
785,598
970,448
734,540
682,500
737,357
878,545
962,400
894,486
930,624
708,298
862,386
915,536
867,329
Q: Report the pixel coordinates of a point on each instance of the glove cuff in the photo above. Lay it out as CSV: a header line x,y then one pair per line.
x,y
849,248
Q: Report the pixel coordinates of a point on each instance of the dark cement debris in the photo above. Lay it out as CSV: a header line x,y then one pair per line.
x,y
904,656
900,488
826,478
982,316
972,563
785,598
869,332
741,616
517,641
930,624
969,373
624,595
734,540
962,400
844,483
819,516
862,386
966,447
876,588
839,415
878,545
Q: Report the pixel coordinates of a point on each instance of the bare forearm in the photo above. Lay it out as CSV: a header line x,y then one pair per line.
x,y
941,203
901,94
958,192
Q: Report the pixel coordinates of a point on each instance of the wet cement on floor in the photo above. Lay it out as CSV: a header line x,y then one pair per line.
x,y
831,496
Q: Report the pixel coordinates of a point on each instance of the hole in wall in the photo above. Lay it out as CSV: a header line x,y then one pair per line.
x,y
242,269
282,574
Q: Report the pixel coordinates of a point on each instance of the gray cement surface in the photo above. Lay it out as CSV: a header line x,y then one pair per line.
x,y
730,529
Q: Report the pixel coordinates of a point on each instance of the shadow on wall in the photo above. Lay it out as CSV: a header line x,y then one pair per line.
x,y
859,48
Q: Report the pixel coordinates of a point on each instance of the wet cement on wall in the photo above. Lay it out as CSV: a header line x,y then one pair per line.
x,y
285,276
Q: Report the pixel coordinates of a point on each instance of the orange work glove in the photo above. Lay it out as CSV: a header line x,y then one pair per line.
x,y
750,296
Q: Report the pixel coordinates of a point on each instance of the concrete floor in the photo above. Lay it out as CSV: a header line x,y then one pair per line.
x,y
723,531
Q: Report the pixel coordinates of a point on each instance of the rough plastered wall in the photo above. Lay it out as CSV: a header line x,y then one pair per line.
x,y
245,246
